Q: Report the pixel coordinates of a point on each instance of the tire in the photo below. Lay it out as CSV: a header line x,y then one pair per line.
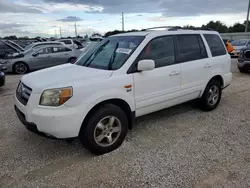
x,y
95,134
243,70
210,99
20,68
72,60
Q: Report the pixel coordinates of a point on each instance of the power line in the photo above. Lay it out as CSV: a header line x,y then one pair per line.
x,y
247,16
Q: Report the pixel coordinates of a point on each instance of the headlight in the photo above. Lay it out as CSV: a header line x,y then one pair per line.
x,y
4,62
56,97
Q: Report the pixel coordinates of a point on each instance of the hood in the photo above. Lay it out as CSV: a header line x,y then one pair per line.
x,y
62,76
239,47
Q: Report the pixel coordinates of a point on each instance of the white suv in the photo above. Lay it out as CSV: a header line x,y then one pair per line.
x,y
125,76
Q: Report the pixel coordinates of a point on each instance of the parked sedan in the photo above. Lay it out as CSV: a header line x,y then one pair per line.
x,y
2,79
40,58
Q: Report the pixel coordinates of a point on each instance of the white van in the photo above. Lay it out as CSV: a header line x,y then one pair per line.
x,y
123,77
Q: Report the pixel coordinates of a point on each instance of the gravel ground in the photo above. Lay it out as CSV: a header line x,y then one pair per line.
x,y
177,147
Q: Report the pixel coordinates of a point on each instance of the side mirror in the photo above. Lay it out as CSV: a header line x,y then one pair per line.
x,y
35,54
146,65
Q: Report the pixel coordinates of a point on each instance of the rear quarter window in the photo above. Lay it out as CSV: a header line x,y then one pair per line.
x,y
215,44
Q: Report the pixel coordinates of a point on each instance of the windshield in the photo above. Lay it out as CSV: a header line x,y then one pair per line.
x,y
111,53
239,42
28,47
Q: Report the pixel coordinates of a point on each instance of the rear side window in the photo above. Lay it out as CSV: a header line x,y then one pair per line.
x,y
161,50
215,44
60,49
191,48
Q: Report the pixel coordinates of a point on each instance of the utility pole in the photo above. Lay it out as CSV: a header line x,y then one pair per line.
x,y
247,16
55,34
60,32
75,30
123,21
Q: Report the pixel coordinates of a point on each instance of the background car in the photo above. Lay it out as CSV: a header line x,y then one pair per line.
x,y
41,44
7,49
70,43
2,79
244,60
238,45
40,58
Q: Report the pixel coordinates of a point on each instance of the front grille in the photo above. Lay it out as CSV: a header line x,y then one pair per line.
x,y
23,93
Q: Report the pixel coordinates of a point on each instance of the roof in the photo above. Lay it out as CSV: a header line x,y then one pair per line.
x,y
49,46
46,42
166,32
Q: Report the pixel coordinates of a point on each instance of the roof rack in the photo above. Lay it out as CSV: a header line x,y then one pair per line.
x,y
163,27
175,28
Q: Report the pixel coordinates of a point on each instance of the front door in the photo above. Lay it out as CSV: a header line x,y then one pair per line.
x,y
42,59
159,88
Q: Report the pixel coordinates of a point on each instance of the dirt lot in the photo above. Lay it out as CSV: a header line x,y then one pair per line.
x,y
177,147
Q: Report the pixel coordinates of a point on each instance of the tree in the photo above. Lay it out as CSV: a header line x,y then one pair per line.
x,y
96,34
13,37
217,26
189,26
113,33
237,27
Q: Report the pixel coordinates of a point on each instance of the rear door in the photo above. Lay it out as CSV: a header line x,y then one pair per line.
x,y
220,61
61,55
194,61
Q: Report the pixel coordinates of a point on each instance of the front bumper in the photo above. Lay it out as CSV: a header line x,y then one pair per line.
x,y
30,126
61,123
6,67
243,64
2,79
234,54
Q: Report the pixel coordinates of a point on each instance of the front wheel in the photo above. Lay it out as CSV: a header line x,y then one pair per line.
x,y
105,129
211,96
20,68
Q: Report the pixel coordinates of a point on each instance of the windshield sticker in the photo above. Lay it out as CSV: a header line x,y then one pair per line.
x,y
124,50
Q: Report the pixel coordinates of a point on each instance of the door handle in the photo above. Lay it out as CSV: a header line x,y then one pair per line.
x,y
207,65
174,73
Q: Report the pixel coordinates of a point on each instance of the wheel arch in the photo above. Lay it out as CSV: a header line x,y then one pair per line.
x,y
115,101
216,77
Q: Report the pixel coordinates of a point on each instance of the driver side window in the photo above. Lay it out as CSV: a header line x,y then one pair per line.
x,y
161,50
45,51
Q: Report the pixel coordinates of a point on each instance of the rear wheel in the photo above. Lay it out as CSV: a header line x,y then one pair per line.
x,y
20,68
105,129
211,96
72,60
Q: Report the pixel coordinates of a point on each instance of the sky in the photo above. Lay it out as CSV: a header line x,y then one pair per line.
x,y
45,17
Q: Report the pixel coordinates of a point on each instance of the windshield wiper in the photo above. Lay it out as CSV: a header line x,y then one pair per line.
x,y
86,64
112,58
